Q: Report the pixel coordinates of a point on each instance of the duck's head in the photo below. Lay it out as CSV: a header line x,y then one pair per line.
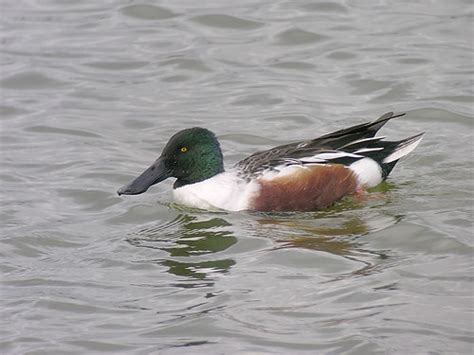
x,y
191,155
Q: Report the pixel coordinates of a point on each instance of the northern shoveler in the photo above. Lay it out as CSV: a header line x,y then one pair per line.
x,y
301,176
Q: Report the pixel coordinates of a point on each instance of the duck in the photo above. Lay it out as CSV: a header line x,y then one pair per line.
x,y
308,175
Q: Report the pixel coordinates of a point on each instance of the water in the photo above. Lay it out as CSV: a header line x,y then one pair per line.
x,y
90,93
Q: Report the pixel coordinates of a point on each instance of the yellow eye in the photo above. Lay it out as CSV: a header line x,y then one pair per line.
x,y
184,149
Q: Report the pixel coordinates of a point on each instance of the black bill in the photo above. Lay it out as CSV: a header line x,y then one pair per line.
x,y
153,175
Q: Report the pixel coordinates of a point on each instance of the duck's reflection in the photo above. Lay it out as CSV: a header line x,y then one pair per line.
x,y
197,243
190,240
335,230
338,234
335,235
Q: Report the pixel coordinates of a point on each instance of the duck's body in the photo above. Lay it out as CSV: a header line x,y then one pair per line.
x,y
302,176
296,188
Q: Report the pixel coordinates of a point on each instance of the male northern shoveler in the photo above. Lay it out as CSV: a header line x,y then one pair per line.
x,y
301,176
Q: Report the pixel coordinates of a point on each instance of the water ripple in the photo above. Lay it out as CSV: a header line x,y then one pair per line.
x,y
91,91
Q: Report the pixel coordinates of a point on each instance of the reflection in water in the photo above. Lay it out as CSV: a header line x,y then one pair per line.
x,y
192,237
198,270
194,240
336,235
337,231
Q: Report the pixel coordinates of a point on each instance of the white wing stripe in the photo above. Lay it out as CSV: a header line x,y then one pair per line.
x,y
366,150
329,156
364,140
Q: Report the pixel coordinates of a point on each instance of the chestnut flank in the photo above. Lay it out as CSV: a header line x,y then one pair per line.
x,y
307,189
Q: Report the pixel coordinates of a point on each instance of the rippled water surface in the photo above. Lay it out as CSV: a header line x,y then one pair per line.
x,y
91,91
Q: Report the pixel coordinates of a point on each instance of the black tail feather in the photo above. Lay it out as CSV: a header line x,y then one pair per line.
x,y
342,137
387,168
390,147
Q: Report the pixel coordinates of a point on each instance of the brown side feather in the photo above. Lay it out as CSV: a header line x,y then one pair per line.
x,y
307,189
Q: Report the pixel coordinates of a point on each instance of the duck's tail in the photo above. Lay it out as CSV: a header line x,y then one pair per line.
x,y
393,152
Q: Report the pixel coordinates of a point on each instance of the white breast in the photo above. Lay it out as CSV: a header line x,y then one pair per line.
x,y
224,191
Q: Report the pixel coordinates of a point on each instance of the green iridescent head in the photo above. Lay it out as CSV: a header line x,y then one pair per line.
x,y
191,155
